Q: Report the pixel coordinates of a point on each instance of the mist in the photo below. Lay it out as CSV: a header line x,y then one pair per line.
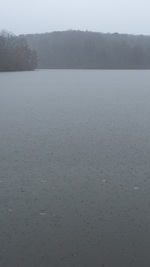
x,y
23,17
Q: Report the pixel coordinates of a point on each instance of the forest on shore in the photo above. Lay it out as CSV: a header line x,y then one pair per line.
x,y
73,50
15,54
90,50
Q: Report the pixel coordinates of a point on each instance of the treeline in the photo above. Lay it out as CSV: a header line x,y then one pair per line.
x,y
89,50
15,54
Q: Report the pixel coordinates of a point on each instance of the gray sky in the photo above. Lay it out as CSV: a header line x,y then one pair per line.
x,y
37,16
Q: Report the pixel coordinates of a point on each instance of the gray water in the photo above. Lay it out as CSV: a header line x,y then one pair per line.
x,y
75,168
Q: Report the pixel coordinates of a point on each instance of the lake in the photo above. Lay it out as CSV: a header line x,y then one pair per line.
x,y
75,168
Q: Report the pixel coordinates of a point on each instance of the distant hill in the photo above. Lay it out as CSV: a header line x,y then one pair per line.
x,y
90,50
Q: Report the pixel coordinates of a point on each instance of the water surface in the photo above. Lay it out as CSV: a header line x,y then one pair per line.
x,y
74,168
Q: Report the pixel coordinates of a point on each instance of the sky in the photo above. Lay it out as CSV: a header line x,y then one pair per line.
x,y
106,16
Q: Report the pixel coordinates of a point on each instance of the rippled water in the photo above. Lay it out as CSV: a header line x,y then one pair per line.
x,y
75,168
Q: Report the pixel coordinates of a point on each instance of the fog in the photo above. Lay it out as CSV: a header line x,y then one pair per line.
x,y
32,16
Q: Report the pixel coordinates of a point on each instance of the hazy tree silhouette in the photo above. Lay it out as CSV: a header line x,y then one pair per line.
x,y
15,54
90,50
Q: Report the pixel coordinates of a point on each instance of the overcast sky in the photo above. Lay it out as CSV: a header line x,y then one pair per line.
x,y
37,16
